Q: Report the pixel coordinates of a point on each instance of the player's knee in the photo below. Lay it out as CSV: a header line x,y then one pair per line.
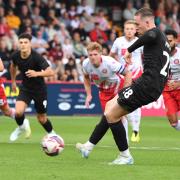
x,y
19,113
41,118
7,113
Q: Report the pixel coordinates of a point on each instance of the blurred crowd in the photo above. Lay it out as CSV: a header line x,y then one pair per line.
x,y
61,29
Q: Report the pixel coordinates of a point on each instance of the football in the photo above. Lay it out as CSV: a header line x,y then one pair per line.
x,y
52,145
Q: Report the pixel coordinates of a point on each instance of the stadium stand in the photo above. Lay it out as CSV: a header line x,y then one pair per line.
x,y
61,29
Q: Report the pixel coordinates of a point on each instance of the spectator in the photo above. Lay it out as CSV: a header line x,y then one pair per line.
x,y
24,13
82,32
37,19
78,48
97,33
67,48
71,73
56,52
4,28
84,7
103,22
62,32
39,44
13,21
129,11
75,22
2,12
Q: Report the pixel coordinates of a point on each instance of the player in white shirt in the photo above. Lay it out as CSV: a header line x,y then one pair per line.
x,y
105,72
118,50
171,93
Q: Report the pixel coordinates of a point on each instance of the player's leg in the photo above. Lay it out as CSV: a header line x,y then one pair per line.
x,y
45,122
6,110
23,124
40,104
134,118
98,132
113,113
172,104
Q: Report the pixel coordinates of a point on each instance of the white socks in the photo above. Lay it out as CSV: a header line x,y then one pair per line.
x,y
126,153
125,124
89,145
177,127
135,118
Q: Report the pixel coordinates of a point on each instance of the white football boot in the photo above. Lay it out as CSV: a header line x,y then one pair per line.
x,y
83,150
25,128
123,160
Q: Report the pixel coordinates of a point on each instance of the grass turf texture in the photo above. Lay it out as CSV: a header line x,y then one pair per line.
x,y
157,156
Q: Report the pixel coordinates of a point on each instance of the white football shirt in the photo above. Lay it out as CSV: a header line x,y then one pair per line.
x,y
175,66
120,46
107,75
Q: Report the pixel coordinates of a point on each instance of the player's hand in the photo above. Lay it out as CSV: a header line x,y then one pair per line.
x,y
88,100
13,87
31,73
173,85
127,57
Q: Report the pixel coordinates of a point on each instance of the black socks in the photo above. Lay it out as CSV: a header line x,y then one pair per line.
x,y
48,126
119,135
99,130
20,120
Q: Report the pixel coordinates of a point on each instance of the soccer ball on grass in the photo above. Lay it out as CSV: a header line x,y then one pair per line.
x,y
52,145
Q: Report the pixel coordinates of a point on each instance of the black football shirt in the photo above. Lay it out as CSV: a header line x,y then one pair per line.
x,y
34,62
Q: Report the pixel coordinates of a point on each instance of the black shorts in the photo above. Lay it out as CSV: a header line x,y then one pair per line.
x,y
135,96
39,98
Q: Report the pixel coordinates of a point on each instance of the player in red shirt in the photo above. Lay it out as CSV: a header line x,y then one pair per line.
x,y
171,93
6,110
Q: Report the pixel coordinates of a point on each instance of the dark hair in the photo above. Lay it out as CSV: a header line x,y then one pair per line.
x,y
25,36
145,12
171,32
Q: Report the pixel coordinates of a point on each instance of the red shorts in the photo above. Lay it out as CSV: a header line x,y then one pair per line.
x,y
3,99
104,98
172,101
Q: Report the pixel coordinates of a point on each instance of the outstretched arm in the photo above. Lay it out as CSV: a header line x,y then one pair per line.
x,y
13,70
44,73
148,37
87,86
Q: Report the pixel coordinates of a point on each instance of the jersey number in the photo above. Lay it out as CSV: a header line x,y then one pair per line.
x,y
164,69
128,92
45,103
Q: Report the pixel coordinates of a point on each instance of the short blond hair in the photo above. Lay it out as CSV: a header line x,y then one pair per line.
x,y
131,21
94,46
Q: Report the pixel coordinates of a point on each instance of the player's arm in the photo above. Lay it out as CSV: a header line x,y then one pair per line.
x,y
113,55
1,65
43,73
148,38
87,86
127,77
173,85
13,70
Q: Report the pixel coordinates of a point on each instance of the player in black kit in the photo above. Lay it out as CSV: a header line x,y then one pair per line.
x,y
144,90
33,68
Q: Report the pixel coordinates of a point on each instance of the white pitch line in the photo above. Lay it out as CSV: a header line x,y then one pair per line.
x,y
140,148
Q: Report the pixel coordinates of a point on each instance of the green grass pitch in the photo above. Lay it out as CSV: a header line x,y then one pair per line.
x,y
157,155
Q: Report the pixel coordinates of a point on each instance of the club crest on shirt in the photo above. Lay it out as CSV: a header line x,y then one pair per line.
x,y
104,71
176,61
